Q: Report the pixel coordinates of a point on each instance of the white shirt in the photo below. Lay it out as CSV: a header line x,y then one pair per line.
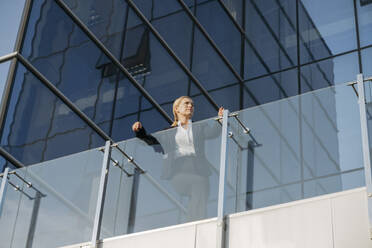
x,y
184,140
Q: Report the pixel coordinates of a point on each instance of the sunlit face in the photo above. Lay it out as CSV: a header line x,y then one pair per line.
x,y
186,107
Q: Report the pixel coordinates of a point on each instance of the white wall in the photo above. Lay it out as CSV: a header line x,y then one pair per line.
x,y
331,221
337,220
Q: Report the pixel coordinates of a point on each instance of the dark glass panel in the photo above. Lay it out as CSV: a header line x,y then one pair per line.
x,y
270,88
208,66
151,120
159,70
165,7
4,70
227,97
76,66
147,61
280,19
106,19
367,62
122,127
10,19
179,39
203,109
365,22
38,126
254,64
124,117
4,163
326,28
236,9
271,37
328,72
221,29
70,60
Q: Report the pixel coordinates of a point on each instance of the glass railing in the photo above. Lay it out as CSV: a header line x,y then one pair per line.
x,y
177,185
292,149
296,148
51,204
364,86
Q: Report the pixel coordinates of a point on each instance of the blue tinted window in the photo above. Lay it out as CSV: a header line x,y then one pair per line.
x,y
328,72
324,32
74,64
4,70
365,22
222,31
179,39
367,62
208,66
228,97
236,9
38,126
270,88
271,38
105,19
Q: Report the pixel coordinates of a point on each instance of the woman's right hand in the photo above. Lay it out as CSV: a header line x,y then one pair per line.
x,y
136,126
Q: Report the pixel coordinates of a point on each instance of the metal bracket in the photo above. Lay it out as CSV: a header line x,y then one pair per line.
x,y
130,159
246,130
18,188
117,164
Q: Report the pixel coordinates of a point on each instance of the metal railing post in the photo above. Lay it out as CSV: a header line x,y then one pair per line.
x,y
3,188
221,186
365,145
101,195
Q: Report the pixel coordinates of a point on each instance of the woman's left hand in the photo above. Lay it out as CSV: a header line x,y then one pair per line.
x,y
220,111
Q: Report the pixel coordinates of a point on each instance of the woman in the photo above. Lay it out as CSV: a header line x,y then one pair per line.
x,y
185,163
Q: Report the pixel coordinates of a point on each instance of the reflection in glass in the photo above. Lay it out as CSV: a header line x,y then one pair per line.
x,y
10,19
222,31
365,22
37,215
368,100
142,55
271,32
323,32
74,64
235,8
179,39
4,70
228,97
298,147
328,72
38,126
270,88
9,212
367,62
174,189
207,66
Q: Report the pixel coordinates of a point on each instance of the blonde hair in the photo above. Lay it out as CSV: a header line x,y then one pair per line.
x,y
176,104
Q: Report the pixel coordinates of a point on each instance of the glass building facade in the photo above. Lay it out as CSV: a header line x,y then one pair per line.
x,y
232,53
235,54
74,74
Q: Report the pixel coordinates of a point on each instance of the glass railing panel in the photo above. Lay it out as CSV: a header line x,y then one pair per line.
x,y
118,196
178,186
368,108
299,147
58,209
9,213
